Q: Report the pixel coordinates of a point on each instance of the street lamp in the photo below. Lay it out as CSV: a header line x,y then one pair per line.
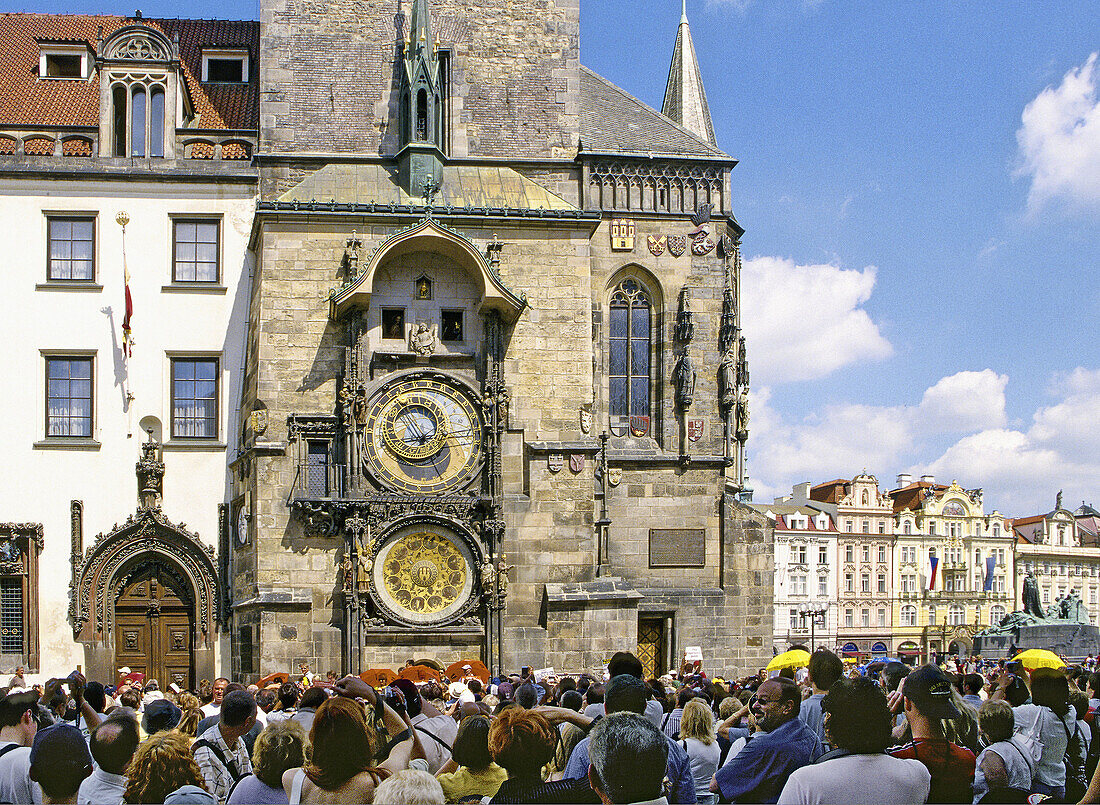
x,y
813,615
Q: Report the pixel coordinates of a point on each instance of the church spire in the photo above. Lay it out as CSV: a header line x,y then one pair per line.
x,y
685,97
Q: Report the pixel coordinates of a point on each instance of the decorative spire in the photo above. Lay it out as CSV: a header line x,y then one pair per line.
x,y
685,97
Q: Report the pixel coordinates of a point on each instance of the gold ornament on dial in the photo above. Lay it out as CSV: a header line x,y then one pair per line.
x,y
423,435
423,576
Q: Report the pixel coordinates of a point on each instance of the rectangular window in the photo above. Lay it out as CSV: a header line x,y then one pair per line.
x,y
71,243
866,553
932,529
864,618
822,555
882,553
69,397
798,554
451,325
225,67
882,582
62,63
393,323
931,616
317,469
795,621
823,587
848,583
11,616
866,526
194,398
881,618
848,526
195,246
882,527
849,553
865,583
848,618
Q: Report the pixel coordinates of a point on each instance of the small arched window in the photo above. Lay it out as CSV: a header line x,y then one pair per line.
x,y
996,614
421,116
137,121
118,119
956,615
629,362
908,527
156,122
909,615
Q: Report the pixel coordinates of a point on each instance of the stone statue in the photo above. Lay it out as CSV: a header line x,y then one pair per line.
x,y
727,381
685,326
488,578
422,341
1075,608
683,377
742,363
743,412
1032,604
1058,500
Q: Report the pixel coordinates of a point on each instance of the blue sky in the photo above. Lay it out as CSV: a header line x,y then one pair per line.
x,y
921,188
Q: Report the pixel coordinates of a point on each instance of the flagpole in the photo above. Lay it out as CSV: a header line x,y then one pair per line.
x,y
127,342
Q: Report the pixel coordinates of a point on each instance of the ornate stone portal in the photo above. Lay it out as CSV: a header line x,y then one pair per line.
x,y
146,543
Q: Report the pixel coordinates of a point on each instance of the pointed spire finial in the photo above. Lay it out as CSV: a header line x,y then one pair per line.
x,y
685,97
683,12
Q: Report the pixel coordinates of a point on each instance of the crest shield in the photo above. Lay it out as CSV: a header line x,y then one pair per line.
x,y
554,462
677,244
576,462
695,429
639,425
656,244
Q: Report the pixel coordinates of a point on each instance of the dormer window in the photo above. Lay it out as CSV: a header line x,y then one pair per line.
x,y
225,66
61,62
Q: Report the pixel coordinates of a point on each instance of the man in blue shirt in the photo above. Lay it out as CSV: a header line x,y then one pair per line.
x,y
627,693
760,770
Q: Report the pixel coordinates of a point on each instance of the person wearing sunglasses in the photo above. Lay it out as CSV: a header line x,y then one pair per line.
x,y
783,745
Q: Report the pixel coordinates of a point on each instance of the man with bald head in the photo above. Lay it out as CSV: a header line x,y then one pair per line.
x,y
783,744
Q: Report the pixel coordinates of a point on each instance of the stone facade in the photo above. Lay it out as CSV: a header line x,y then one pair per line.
x,y
606,535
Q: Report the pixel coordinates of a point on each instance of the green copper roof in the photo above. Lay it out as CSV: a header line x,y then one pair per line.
x,y
463,186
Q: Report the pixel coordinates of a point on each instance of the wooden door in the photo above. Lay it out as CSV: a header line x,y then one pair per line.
x,y
651,646
154,628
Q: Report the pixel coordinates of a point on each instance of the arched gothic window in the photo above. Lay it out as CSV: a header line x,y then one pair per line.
x,y
138,120
629,364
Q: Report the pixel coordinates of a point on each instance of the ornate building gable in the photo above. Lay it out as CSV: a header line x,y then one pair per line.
x,y
147,536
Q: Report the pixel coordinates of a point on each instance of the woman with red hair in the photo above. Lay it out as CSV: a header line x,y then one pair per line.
x,y
344,747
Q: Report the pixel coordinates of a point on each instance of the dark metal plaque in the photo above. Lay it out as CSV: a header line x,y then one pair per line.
x,y
677,547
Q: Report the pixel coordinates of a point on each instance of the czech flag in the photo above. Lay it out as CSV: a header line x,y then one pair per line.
x,y
931,571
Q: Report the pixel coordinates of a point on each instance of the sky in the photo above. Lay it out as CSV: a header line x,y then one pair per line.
x,y
920,188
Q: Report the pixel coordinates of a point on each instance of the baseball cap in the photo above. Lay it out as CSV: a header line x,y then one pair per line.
x,y
160,714
190,795
929,688
59,748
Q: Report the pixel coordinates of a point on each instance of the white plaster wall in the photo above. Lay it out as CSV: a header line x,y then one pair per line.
x,y
40,483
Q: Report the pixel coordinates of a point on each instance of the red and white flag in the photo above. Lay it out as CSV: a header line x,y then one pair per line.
x,y
127,341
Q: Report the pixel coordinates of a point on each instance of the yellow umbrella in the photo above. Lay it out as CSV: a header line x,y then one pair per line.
x,y
1039,658
795,658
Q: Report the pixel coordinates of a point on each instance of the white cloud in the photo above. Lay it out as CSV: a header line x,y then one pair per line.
x,y
1020,469
1059,141
806,320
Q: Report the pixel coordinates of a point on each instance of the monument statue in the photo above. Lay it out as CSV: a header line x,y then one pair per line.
x,y
1065,627
1032,605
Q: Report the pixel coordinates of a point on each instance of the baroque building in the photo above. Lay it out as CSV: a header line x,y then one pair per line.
x,y
495,390
128,191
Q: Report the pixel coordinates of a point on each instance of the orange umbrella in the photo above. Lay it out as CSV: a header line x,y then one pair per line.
x,y
419,673
378,677
277,678
458,670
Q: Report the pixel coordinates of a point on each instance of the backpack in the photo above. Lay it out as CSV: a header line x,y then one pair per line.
x,y
1076,781
1029,736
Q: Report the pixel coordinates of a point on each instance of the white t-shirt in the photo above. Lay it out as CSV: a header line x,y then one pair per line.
x,y
703,760
15,779
653,712
211,709
858,780
443,727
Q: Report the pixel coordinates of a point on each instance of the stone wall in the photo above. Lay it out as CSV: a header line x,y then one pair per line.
x,y
327,76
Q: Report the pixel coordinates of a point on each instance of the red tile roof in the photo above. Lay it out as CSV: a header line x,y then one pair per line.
x,y
27,101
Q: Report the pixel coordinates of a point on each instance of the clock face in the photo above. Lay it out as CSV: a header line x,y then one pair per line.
x,y
422,435
242,527
423,575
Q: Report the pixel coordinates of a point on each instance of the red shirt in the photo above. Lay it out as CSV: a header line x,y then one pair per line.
x,y
951,767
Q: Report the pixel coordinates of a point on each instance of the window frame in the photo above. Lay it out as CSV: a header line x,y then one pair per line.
x,y
174,221
227,54
173,360
71,216
645,289
44,53
74,355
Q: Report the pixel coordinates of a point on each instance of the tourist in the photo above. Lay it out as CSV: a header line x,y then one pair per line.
x,y
569,735
437,730
926,696
18,726
160,766
112,744
343,744
521,742
972,685
409,787
217,693
628,755
160,715
1004,768
627,693
191,715
624,662
824,669
758,772
59,763
313,698
1050,720
220,751
471,770
857,724
670,724
279,747
288,703
698,739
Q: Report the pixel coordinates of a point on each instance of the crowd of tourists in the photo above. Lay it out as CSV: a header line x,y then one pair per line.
x,y
958,732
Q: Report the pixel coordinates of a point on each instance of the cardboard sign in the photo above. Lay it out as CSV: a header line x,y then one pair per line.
x,y
693,653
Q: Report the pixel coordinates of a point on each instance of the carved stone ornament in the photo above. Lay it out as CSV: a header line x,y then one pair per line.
x,y
150,474
423,339
677,244
701,246
586,418
576,462
683,379
554,462
257,421
657,244
614,476
685,323
139,44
